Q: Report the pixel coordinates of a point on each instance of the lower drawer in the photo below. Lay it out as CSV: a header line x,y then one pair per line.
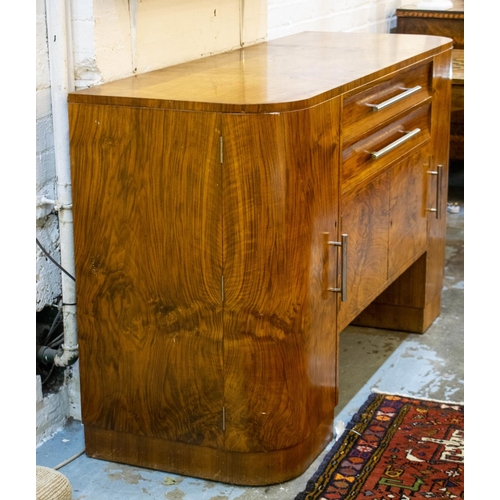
x,y
380,147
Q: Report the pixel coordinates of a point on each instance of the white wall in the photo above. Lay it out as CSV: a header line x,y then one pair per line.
x,y
112,39
116,39
286,17
48,282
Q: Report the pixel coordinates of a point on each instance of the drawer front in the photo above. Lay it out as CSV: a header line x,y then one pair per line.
x,y
385,99
381,146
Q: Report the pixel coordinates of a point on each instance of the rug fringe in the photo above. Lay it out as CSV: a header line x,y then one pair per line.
x,y
374,390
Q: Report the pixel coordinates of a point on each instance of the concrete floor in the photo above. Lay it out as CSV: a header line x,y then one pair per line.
x,y
429,365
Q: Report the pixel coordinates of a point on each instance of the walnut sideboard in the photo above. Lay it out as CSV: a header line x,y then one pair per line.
x,y
232,215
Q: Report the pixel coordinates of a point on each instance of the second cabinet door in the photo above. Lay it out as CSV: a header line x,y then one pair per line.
x,y
408,214
386,224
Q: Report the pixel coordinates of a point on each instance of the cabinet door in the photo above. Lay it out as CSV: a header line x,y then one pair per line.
x,y
408,211
148,236
280,195
439,185
365,219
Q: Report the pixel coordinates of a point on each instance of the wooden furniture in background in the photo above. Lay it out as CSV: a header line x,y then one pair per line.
x,y
449,23
232,215
457,106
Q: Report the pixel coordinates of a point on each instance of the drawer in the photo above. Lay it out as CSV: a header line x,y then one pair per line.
x,y
381,146
383,100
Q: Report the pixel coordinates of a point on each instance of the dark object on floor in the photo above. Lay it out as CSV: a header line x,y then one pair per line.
x,y
398,445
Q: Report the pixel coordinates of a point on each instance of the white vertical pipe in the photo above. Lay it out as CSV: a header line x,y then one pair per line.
x,y
61,78
132,8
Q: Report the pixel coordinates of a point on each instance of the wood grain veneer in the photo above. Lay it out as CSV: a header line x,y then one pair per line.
x,y
276,210
141,313
209,203
407,304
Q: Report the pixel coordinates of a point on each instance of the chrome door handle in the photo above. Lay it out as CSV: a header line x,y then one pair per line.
x,y
343,276
395,144
439,174
396,98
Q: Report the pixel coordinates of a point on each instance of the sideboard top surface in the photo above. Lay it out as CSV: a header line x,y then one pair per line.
x,y
285,74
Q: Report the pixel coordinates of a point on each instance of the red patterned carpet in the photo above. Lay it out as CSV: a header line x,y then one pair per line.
x,y
395,448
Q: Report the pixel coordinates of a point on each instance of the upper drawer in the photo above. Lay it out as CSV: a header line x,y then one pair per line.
x,y
384,99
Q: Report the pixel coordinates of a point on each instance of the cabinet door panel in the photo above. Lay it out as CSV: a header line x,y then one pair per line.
x,y
147,205
365,219
280,197
440,156
408,219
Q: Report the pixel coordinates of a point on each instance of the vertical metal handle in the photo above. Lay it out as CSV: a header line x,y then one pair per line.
x,y
343,276
439,174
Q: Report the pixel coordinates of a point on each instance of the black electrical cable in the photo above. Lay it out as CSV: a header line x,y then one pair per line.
x,y
57,341
52,260
53,343
48,375
55,324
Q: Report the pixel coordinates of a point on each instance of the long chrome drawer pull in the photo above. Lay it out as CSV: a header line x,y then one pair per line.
x,y
343,278
396,98
439,174
395,144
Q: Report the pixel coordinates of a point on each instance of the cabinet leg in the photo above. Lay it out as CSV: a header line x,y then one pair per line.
x,y
401,318
406,305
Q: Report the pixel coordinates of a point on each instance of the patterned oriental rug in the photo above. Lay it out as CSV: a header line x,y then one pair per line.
x,y
395,448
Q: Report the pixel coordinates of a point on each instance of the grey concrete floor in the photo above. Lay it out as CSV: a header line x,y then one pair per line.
x,y
429,365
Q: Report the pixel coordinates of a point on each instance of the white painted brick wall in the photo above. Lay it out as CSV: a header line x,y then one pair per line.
x,y
51,413
75,405
287,17
168,33
48,282
82,26
42,61
48,276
